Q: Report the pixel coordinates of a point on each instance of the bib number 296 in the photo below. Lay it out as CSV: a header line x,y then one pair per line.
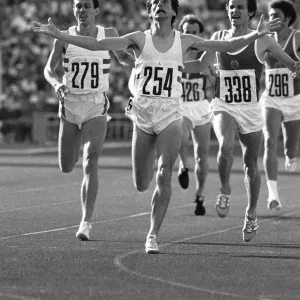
x,y
279,85
163,80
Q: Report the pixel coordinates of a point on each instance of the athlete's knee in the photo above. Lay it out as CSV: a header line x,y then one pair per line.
x,y
226,147
270,142
163,177
251,169
90,162
201,159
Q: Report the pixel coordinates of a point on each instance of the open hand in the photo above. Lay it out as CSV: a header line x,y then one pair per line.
x,y
296,72
267,27
48,29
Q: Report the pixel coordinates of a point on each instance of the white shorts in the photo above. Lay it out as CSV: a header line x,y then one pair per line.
x,y
289,107
153,115
197,112
248,117
79,108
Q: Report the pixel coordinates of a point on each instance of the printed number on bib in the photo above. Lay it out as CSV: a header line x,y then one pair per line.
x,y
83,72
161,81
193,91
279,85
238,89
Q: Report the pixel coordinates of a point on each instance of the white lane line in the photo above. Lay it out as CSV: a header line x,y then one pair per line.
x,y
47,188
97,222
37,206
118,261
18,297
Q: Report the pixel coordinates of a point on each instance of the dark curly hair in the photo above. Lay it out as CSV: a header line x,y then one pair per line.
x,y
287,8
174,4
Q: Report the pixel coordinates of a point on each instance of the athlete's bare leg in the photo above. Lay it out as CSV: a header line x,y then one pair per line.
x,y
168,145
250,144
201,139
225,129
272,121
93,136
290,132
143,158
185,139
69,141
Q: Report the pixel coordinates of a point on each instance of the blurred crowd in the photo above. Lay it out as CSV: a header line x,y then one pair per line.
x,y
24,89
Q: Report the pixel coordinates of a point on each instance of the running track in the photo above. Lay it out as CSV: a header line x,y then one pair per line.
x,y
201,257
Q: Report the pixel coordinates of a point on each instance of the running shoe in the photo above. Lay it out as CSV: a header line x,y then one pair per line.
x,y
151,245
83,232
250,227
274,204
183,178
200,209
291,164
222,205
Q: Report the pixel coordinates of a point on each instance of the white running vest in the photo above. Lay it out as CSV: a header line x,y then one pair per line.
x,y
86,71
159,74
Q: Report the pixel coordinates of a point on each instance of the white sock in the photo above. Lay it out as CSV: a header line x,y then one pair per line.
x,y
272,188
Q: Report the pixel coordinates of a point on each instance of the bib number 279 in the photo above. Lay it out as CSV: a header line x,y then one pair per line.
x,y
162,79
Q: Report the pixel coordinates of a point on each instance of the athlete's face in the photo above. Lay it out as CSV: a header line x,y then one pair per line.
x,y
161,9
278,13
238,12
189,28
84,12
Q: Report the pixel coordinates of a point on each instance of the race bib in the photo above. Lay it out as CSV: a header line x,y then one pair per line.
x,y
238,87
193,89
279,83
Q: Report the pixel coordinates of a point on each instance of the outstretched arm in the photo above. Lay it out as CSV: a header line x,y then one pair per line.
x,y
201,64
125,58
113,43
275,49
237,43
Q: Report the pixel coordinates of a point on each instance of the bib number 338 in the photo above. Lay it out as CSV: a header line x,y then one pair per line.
x,y
238,89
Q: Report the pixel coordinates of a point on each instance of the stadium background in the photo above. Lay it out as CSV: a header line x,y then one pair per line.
x,y
28,104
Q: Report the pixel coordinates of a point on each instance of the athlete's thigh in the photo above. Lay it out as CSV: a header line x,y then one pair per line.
x,y
225,126
69,140
168,144
143,152
290,132
93,135
272,122
250,143
201,139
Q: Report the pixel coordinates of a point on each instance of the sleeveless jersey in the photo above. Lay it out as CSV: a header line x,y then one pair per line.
x,y
279,82
86,71
159,74
193,86
239,75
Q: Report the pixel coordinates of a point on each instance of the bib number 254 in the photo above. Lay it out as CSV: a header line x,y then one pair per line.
x,y
162,81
